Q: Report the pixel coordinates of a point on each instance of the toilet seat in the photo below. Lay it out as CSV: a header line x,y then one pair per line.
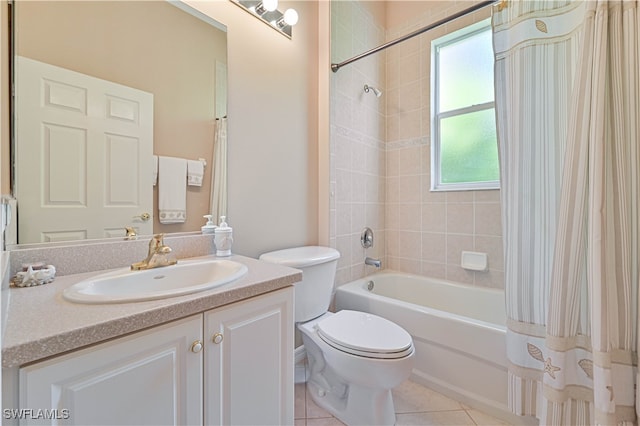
x,y
363,334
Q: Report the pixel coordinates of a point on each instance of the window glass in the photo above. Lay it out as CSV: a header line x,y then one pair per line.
x,y
468,149
464,140
466,72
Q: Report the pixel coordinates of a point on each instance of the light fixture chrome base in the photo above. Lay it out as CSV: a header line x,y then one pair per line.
x,y
273,19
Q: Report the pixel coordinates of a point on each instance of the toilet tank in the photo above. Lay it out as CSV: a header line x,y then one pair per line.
x,y
318,266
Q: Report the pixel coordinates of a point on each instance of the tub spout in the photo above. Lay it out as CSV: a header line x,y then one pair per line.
x,y
373,262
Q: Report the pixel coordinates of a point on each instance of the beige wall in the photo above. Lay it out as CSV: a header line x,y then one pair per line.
x,y
274,117
151,46
273,127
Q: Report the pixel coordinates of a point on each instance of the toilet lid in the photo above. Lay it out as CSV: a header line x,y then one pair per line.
x,y
363,334
301,257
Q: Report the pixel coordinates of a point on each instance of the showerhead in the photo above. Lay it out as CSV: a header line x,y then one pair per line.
x,y
368,88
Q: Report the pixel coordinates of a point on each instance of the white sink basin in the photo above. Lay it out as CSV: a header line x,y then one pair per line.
x,y
125,285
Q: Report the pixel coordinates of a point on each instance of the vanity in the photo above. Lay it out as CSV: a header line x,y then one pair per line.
x,y
219,356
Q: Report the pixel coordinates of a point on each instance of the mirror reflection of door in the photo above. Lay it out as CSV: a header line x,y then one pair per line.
x,y
85,154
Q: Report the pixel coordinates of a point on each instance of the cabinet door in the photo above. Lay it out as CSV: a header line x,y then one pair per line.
x,y
249,361
148,378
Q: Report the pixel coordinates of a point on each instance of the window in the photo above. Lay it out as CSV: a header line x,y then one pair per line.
x,y
464,142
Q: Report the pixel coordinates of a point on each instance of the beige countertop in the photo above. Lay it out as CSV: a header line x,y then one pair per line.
x,y
41,323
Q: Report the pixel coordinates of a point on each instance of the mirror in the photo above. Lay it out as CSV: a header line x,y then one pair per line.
x,y
171,55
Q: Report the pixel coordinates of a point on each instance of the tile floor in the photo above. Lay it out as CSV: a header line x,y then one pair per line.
x,y
415,405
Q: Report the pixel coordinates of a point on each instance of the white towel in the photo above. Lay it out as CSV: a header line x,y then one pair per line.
x,y
195,172
172,189
155,169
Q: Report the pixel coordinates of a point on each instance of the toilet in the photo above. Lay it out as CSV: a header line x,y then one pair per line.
x,y
355,358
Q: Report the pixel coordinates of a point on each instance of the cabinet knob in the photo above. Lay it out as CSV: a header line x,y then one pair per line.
x,y
196,346
217,338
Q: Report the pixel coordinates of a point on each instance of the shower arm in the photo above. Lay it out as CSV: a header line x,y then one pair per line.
x,y
375,91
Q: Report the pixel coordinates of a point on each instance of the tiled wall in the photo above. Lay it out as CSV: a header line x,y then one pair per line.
x,y
357,140
380,157
427,231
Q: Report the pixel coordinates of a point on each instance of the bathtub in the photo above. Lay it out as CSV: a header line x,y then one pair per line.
x,y
458,331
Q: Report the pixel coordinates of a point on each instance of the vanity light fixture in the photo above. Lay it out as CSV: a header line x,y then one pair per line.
x,y
290,18
270,5
267,11
265,6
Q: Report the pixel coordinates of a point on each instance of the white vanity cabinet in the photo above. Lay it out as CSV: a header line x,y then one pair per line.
x,y
149,378
231,365
249,362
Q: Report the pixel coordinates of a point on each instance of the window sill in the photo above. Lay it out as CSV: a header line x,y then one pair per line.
x,y
478,186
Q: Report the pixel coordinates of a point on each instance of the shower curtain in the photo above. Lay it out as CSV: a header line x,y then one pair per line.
x,y
567,104
219,172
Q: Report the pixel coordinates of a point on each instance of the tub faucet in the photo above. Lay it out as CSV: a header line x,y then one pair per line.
x,y
158,255
373,262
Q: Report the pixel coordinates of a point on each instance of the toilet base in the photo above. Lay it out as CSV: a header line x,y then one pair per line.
x,y
354,389
355,405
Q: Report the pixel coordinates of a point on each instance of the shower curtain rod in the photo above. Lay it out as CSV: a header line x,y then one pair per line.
x,y
336,67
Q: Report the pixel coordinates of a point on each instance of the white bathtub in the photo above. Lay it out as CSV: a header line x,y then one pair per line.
x,y
458,331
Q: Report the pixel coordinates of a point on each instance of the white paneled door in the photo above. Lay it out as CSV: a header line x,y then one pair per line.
x,y
84,151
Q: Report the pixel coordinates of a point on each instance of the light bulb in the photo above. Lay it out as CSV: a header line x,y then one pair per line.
x,y
291,17
270,5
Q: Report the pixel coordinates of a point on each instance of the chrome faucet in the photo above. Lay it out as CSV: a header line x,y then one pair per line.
x,y
158,255
373,262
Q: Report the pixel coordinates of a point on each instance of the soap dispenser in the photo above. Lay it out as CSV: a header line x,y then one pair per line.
x,y
223,238
209,227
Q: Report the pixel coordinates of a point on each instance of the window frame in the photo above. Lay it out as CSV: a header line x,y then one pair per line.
x,y
437,116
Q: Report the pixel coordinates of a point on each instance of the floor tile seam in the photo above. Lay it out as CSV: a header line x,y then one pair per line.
x,y
432,411
470,417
